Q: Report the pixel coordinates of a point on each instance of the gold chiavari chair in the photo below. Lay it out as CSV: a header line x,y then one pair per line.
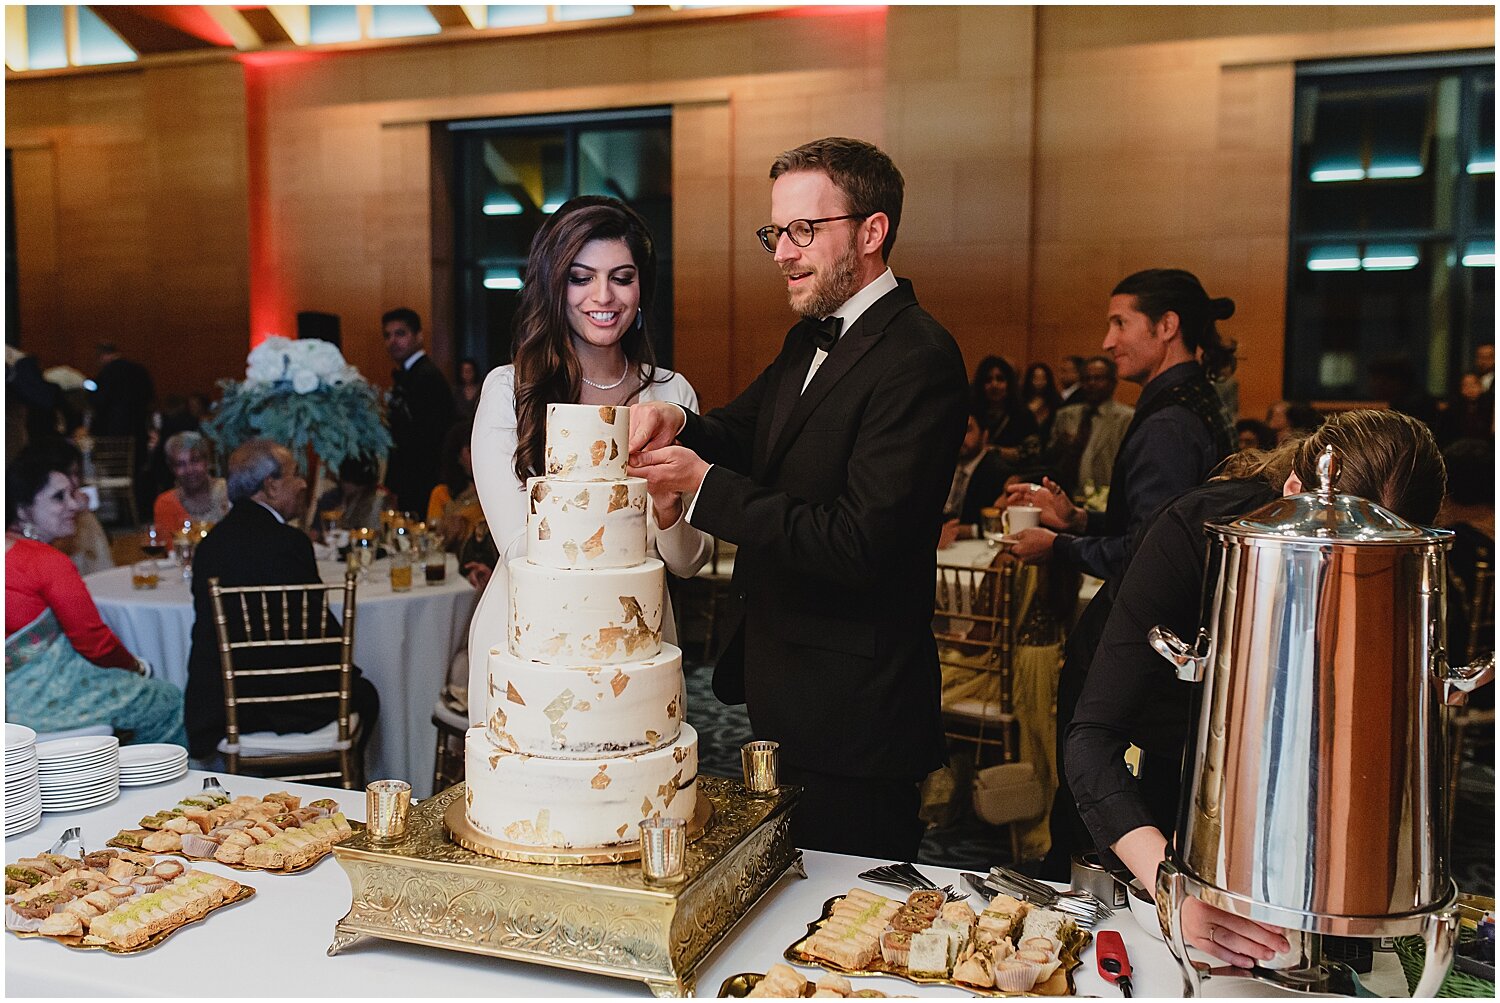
x,y
287,632
1475,602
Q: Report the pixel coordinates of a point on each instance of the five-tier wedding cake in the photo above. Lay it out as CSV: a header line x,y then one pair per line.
x,y
585,734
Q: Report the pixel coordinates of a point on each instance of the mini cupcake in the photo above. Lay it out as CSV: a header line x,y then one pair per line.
x,y
1015,976
1046,963
895,947
926,902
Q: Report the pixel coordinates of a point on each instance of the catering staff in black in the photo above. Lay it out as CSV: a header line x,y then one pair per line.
x,y
1162,333
1131,694
830,472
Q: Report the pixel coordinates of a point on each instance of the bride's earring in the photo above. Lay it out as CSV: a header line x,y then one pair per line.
x,y
640,320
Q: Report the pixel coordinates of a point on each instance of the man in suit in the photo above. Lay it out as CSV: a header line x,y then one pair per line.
x,y
978,480
830,472
253,545
422,411
1086,436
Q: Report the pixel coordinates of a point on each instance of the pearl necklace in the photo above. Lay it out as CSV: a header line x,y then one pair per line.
x,y
610,386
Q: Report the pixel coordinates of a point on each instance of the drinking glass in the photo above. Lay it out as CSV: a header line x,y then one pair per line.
x,y
154,544
144,574
362,545
401,564
992,526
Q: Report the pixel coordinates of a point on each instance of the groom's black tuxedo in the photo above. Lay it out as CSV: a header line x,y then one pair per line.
x,y
835,496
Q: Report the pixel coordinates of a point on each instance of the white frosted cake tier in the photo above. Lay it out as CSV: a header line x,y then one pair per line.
x,y
586,442
593,524
577,802
585,616
585,713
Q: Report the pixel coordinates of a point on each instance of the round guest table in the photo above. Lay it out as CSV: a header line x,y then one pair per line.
x,y
403,642
276,941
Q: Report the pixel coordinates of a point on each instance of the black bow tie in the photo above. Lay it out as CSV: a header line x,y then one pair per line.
x,y
824,333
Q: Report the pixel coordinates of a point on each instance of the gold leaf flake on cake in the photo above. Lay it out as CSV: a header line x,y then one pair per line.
x,y
619,497
562,467
622,830
610,638
614,449
571,550
632,609
668,790
607,414
680,753
512,695
543,531
539,491
537,831
672,708
652,737
601,779
583,706
581,500
645,807
594,545
597,451
469,796
556,645
619,681
559,706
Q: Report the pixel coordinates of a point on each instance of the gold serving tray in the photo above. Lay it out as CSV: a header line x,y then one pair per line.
x,y
76,942
1061,983
737,987
464,833
358,827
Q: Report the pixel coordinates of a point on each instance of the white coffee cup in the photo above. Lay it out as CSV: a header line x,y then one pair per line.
x,y
1019,517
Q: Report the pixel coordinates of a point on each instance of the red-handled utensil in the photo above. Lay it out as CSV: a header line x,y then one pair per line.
x,y
1114,963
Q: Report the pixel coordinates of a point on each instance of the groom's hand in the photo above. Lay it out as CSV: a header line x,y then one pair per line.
x,y
654,425
670,468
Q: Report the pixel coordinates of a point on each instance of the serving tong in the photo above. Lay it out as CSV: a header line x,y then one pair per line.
x,y
1080,906
906,876
72,834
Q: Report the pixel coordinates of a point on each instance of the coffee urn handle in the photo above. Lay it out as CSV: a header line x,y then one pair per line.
x,y
1461,680
1190,661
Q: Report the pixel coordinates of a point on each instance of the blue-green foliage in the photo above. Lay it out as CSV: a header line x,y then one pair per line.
x,y
340,421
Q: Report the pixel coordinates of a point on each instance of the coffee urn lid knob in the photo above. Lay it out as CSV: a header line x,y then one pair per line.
x,y
1328,471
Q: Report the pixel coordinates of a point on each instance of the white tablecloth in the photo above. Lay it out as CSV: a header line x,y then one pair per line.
x,y
403,642
277,941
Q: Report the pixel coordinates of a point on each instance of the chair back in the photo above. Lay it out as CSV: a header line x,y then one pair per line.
x,y
290,626
1475,601
113,457
974,626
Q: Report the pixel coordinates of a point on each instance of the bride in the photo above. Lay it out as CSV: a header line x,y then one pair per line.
x,y
580,339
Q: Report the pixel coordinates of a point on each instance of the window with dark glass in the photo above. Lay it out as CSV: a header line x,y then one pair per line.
x,y
1393,226
514,173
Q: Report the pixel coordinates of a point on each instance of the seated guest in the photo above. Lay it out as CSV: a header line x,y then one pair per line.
x,y
1468,414
359,499
1041,396
1132,695
1069,372
977,483
64,668
198,497
1470,512
88,545
1252,434
1086,436
453,509
1008,421
253,545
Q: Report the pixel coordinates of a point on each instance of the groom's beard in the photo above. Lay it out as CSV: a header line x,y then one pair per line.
x,y
832,288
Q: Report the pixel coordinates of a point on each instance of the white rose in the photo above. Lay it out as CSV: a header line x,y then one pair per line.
x,y
304,381
267,363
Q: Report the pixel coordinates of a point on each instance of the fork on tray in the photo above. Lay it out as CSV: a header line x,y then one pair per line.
x,y
906,876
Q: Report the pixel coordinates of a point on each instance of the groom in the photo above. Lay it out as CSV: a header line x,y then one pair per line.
x,y
830,472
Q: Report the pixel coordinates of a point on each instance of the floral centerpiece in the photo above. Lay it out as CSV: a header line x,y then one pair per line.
x,y
302,394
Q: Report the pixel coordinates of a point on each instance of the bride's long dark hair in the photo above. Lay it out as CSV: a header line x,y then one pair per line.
x,y
547,369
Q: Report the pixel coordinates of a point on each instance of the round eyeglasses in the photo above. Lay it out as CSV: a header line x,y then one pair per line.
x,y
799,230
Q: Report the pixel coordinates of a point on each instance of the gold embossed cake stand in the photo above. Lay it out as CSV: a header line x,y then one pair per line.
x,y
598,918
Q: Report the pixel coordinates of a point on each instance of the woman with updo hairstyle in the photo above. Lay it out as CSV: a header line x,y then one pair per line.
x,y
1131,694
580,338
64,668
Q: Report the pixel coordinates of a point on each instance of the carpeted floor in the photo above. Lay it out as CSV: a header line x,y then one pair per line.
x,y
971,845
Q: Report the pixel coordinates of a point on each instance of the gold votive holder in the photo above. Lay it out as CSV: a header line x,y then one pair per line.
x,y
759,762
387,806
663,850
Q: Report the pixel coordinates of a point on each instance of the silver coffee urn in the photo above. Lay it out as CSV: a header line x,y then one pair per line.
x,y
1314,790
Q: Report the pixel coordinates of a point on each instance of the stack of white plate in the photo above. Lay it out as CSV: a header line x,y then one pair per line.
x,y
143,765
78,773
23,796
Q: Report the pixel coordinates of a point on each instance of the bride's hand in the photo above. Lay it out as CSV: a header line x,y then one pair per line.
x,y
1239,941
668,508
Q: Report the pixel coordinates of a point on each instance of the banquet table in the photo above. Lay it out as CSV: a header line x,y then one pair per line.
x,y
277,941
403,642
